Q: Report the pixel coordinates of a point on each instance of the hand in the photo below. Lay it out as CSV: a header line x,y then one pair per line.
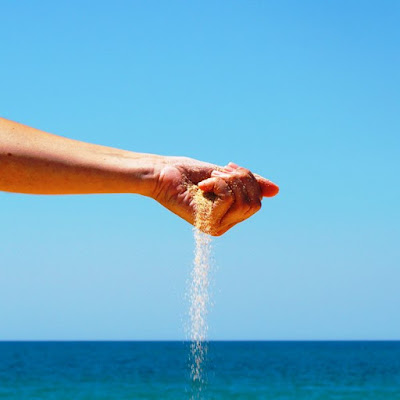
x,y
234,192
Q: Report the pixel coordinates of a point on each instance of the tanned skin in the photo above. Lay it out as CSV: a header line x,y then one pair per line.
x,y
36,162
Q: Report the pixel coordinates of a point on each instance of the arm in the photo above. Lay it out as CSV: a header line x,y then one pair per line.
x,y
35,162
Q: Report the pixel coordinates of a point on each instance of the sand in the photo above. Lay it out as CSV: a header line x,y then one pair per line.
x,y
199,287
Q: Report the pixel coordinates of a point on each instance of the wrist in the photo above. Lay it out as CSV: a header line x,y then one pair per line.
x,y
141,173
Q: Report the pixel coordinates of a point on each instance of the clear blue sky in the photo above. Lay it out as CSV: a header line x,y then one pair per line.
x,y
306,93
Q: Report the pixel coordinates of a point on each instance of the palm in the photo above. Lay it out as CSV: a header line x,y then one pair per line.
x,y
174,184
236,193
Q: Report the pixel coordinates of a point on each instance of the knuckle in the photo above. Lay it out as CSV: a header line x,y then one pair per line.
x,y
244,173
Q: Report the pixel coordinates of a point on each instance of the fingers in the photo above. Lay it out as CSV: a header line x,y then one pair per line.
x,y
247,195
224,198
268,188
238,186
239,195
218,186
207,185
232,166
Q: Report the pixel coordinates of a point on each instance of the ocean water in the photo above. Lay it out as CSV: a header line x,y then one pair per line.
x,y
235,370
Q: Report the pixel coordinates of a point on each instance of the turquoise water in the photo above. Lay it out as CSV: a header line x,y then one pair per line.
x,y
235,370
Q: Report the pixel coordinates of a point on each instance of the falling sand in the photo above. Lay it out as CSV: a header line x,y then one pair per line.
x,y
199,294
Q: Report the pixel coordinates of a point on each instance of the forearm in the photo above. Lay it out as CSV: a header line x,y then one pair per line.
x,y
35,162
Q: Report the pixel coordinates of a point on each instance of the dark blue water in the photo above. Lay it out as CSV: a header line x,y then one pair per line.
x,y
235,370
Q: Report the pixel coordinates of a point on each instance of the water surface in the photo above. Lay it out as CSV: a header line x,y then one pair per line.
x,y
235,370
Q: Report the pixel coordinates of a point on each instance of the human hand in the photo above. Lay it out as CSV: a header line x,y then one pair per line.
x,y
233,192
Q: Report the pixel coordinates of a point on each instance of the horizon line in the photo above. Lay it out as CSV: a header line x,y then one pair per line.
x,y
189,341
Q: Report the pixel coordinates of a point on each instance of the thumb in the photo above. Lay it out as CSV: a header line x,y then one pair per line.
x,y
268,188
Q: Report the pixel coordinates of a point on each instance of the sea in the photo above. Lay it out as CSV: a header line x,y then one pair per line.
x,y
356,370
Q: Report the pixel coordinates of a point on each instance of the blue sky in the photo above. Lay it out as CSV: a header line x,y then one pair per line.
x,y
305,93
